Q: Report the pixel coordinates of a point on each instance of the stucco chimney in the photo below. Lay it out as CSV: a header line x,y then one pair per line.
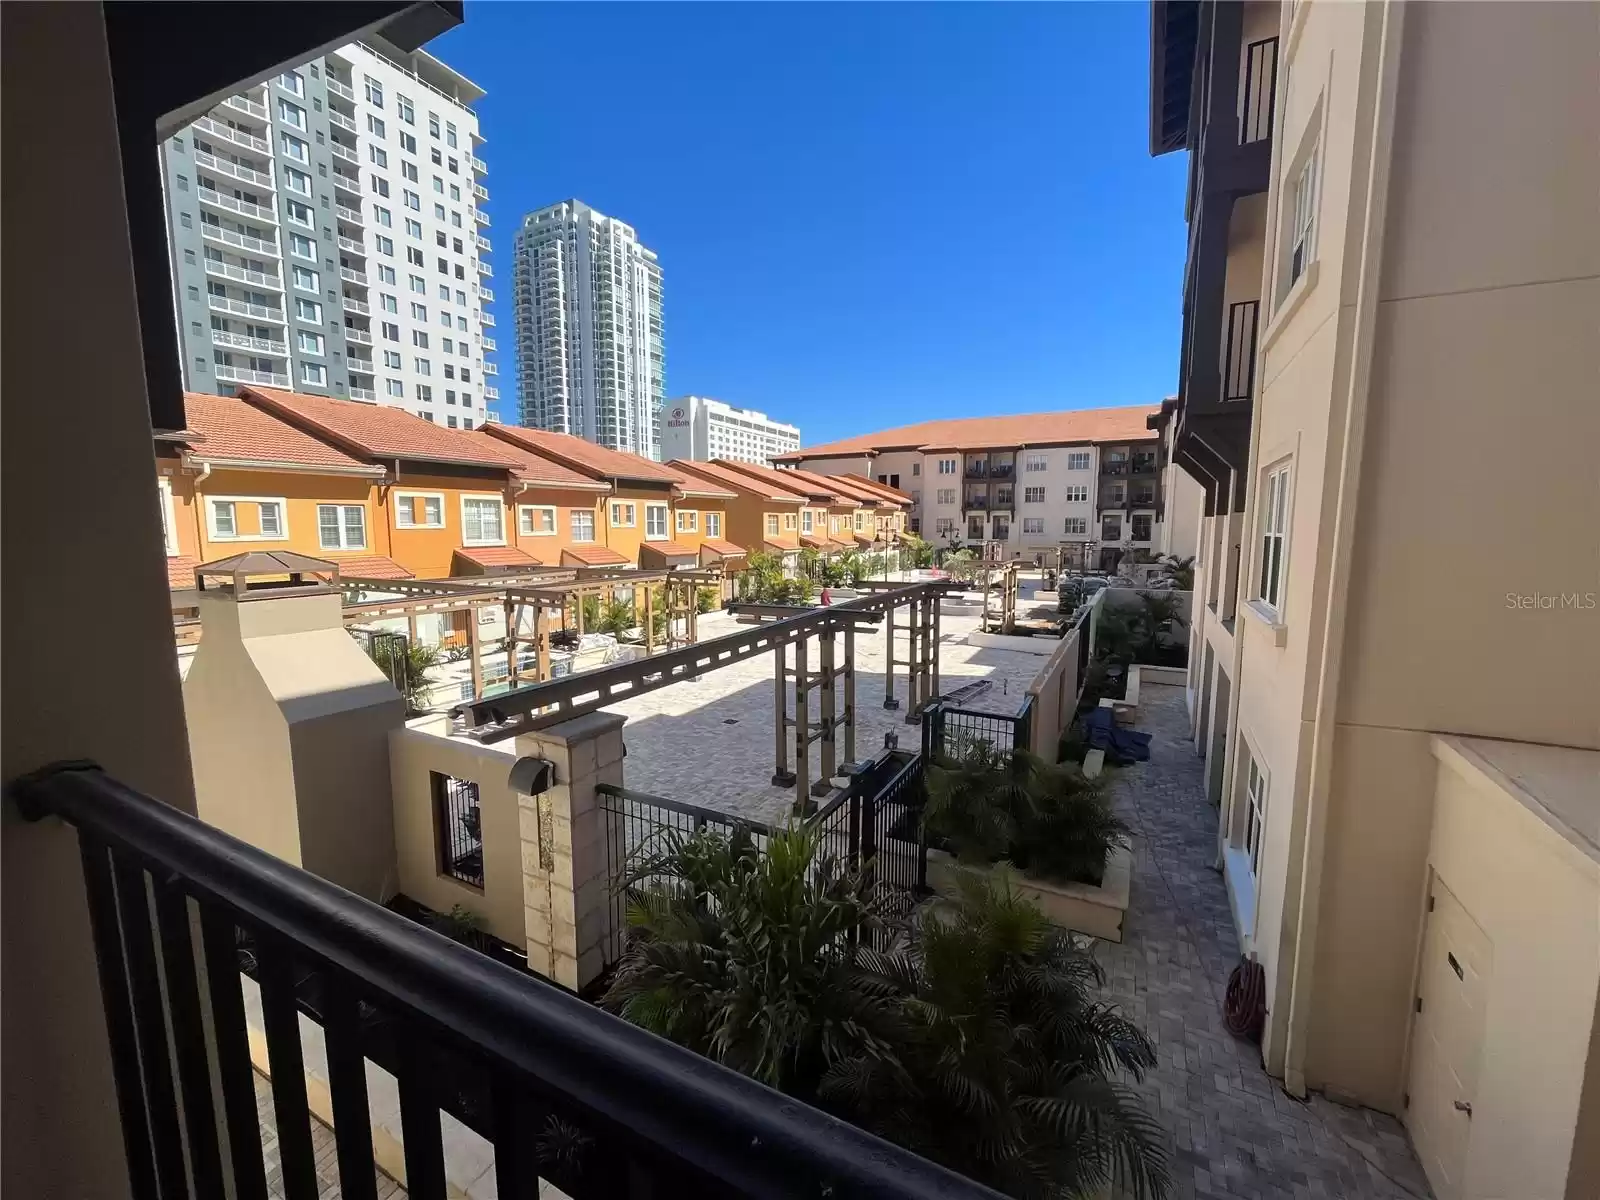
x,y
289,720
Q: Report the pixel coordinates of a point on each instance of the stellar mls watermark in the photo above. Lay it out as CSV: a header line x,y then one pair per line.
x,y
1553,601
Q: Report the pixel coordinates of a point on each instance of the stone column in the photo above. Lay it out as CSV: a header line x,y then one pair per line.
x,y
570,848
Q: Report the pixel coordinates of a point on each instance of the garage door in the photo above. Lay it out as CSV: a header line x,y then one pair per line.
x,y
1447,1038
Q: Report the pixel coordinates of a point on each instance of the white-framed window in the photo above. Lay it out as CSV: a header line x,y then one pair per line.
x,y
1077,525
306,279
395,387
859,522
1076,494
225,518
947,466
1032,524
291,81
772,524
342,526
1032,495
1255,814
1036,462
946,496
295,148
1078,460
713,524
302,247
374,91
379,156
688,520
1273,522
310,343
296,181
655,522
582,520
624,515
805,521
314,373
1302,222
291,114
483,521
169,519
536,520
419,510
308,310
300,213
408,114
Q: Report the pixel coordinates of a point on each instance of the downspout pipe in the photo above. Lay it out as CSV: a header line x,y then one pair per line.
x,y
1352,444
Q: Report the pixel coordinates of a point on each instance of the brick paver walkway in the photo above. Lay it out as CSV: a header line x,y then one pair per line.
x,y
321,1142
1235,1133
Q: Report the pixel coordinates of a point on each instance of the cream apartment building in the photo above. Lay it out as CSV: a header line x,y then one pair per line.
x,y
1392,297
1097,481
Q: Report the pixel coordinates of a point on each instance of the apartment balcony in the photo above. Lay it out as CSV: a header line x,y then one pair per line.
x,y
241,341
483,268
245,375
490,368
247,106
486,293
481,192
346,213
481,217
349,275
343,91
367,394
1117,501
339,121
352,245
478,165
1001,470
1116,470
224,270
360,337
219,200
351,304
1002,499
976,502
350,183
491,393
240,241
1145,465
241,308
482,243
487,318
1142,500
488,343
975,469
222,166
344,152
238,137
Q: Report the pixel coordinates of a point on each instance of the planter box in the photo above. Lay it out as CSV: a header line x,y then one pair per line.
x,y
1080,907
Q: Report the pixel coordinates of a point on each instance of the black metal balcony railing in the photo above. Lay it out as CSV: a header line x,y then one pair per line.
x,y
1145,466
520,1060
977,470
1001,470
1114,468
976,500
1002,499
1239,357
1143,499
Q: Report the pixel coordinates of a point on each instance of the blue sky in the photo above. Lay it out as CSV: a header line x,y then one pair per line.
x,y
866,214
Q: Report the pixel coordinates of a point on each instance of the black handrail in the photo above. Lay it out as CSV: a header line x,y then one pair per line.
x,y
664,1120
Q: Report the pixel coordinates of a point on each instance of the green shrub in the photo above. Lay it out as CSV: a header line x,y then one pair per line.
x,y
706,600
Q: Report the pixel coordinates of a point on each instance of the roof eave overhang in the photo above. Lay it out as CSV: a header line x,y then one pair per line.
x,y
360,470
1173,25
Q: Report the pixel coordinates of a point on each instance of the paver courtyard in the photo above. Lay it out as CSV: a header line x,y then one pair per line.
x,y
709,741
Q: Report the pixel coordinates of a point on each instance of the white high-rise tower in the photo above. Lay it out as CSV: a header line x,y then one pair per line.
x,y
588,314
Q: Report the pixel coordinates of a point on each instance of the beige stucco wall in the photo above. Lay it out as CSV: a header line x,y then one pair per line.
x,y
1537,896
424,746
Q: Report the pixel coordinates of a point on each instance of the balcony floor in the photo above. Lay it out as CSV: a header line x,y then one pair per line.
x,y
1235,1133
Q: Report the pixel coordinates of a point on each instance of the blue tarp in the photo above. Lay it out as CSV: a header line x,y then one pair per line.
x,y
1122,746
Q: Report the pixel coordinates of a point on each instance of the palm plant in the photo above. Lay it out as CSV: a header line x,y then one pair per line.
x,y
743,954
1005,1067
407,665
1179,569
616,617
972,796
810,563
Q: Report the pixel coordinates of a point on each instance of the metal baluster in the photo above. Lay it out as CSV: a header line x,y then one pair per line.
x,y
419,1122
116,999
281,1016
516,1172
347,1081
189,1038
243,1122
149,1017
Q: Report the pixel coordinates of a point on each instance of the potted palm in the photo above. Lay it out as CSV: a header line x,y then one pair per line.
x,y
987,807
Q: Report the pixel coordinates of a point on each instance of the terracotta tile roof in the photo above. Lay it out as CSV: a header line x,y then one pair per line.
x,y
740,482
861,482
776,547
721,548
593,556
180,571
231,431
595,461
803,483
372,566
821,541
373,431
495,558
1021,429
691,484
537,469
665,552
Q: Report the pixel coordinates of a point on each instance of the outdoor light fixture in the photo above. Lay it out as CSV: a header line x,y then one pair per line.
x,y
532,776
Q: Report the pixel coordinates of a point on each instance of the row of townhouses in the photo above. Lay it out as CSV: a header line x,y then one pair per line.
x,y
1391,296
386,494
1094,484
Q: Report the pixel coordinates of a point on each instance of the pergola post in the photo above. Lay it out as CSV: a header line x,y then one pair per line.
x,y
649,622
849,693
577,612
541,638
827,766
781,775
934,609
512,616
475,648
411,629
802,727
889,701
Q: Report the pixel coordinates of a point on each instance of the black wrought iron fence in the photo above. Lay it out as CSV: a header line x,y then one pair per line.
x,y
388,649
949,732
